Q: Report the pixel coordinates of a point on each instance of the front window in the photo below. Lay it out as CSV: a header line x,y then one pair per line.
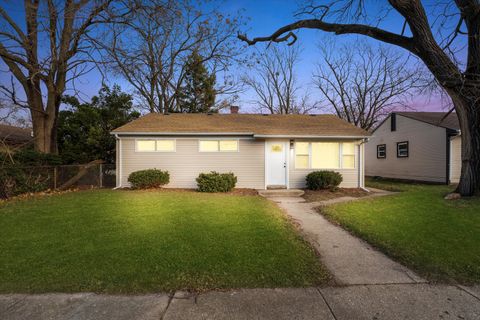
x,y
218,145
402,149
324,155
155,145
302,155
348,155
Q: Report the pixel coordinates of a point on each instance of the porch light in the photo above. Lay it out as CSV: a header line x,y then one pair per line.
x,y
292,142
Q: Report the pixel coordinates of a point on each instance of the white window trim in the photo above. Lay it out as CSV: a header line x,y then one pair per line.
x,y
156,151
219,151
340,150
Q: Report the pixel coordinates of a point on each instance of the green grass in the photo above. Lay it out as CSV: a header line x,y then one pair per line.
x,y
438,238
150,241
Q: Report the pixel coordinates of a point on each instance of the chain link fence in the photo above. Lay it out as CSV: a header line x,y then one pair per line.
x,y
19,180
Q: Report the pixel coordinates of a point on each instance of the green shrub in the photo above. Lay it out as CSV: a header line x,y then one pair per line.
x,y
216,182
149,178
318,180
16,180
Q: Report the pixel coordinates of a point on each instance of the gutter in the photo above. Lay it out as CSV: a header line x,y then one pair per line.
x,y
183,133
235,134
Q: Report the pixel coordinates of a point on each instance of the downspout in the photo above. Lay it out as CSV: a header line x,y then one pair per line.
x,y
361,169
119,178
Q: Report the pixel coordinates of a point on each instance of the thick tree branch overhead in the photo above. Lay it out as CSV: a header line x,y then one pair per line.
x,y
286,33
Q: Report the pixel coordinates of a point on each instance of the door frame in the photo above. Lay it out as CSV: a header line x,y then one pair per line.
x,y
286,144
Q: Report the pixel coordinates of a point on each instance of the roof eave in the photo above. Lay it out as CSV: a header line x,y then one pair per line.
x,y
134,133
143,133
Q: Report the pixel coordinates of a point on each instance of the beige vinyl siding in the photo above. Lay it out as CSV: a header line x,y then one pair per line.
x,y
455,159
427,151
350,176
188,162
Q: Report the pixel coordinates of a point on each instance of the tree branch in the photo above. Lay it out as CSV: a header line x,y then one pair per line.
x,y
286,32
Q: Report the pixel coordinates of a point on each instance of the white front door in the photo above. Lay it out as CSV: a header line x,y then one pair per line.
x,y
276,163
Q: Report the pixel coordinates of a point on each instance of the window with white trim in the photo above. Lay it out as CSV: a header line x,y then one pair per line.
x,y
218,145
155,145
381,151
402,149
324,155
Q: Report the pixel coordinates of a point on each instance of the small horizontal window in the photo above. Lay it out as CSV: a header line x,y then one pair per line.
x,y
153,145
381,151
402,149
218,145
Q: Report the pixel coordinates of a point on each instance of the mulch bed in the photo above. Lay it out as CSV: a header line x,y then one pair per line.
x,y
236,191
322,195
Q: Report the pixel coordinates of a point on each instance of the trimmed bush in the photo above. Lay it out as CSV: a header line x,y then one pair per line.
x,y
319,180
216,182
149,178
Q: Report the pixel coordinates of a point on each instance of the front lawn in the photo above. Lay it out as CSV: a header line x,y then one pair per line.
x,y
150,241
438,238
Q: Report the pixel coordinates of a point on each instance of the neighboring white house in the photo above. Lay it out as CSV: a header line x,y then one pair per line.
x,y
261,150
423,146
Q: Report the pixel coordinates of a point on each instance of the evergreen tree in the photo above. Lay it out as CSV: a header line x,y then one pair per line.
x,y
84,128
198,92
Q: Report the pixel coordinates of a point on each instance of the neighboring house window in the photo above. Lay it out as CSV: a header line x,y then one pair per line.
x,y
402,149
218,145
381,151
161,145
324,155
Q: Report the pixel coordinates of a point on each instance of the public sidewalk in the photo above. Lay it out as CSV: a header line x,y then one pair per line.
x,y
393,301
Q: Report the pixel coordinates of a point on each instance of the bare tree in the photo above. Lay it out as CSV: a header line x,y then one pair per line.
x,y
45,53
151,49
365,83
274,81
434,43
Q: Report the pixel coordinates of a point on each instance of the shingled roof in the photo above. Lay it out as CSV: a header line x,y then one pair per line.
x,y
243,124
14,134
435,118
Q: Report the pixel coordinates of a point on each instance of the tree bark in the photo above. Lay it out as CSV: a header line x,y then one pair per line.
x,y
468,112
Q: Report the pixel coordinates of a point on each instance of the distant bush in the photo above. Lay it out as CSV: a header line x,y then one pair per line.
x,y
15,181
149,178
319,180
216,182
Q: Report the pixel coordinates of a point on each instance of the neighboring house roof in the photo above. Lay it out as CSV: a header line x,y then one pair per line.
x,y
243,124
435,118
14,134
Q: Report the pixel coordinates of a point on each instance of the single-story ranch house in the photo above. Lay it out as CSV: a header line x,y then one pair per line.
x,y
423,146
261,150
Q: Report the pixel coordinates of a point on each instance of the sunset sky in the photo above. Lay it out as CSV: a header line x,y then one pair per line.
x,y
265,16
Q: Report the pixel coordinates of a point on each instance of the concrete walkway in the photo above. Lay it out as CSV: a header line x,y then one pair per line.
x,y
394,301
350,260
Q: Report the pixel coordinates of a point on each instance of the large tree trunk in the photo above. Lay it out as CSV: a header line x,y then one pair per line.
x,y
44,131
468,111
